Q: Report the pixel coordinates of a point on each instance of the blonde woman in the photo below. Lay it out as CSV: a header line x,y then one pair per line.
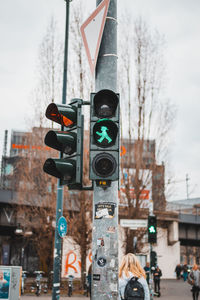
x,y
130,267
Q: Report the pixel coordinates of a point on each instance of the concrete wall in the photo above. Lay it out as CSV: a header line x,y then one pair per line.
x,y
71,263
168,255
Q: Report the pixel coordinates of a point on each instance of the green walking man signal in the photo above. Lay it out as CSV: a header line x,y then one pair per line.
x,y
152,229
103,135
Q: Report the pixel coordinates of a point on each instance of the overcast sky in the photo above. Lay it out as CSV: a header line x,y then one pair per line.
x,y
23,24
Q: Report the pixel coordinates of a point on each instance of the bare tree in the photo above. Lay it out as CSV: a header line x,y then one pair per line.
x,y
80,85
37,190
146,117
81,221
49,74
37,197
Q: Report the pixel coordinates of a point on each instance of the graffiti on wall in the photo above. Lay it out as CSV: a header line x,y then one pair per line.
x,y
71,262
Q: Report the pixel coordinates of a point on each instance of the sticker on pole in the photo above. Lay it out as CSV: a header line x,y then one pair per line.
x,y
62,227
104,210
92,31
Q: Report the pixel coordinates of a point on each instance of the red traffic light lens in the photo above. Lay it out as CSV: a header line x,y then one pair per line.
x,y
64,115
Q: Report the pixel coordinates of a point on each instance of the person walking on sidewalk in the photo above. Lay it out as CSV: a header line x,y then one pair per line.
x,y
185,272
157,273
147,271
178,270
194,280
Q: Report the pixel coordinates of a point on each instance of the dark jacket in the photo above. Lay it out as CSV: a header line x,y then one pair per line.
x,y
178,269
157,273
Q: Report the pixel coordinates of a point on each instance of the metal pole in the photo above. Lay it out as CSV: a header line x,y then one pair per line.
x,y
151,288
105,231
66,53
59,204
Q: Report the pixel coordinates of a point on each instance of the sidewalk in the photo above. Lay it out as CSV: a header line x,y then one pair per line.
x,y
171,289
48,297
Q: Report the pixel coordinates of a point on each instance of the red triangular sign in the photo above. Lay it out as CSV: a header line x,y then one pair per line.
x,y
92,31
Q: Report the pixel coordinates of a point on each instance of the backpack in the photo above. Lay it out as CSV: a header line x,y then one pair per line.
x,y
134,290
190,280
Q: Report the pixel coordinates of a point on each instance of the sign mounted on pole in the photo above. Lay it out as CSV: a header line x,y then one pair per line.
x,y
92,31
62,227
137,223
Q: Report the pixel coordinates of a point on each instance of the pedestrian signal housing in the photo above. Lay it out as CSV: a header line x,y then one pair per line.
x,y
152,229
104,135
153,259
69,141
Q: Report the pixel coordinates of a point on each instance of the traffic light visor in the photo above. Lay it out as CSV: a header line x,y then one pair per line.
x,y
105,104
60,168
61,141
64,115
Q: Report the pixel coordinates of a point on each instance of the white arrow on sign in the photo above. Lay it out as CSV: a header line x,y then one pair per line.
x,y
92,31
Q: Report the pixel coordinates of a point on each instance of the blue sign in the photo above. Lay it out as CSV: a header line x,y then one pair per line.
x,y
62,227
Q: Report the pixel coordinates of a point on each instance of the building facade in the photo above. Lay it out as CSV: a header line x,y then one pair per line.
x,y
189,229
18,248
27,201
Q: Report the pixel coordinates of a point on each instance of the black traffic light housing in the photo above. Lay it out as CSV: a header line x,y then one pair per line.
x,y
153,259
69,141
152,229
104,135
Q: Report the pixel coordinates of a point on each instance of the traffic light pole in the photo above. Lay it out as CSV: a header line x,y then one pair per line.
x,y
59,204
151,289
105,230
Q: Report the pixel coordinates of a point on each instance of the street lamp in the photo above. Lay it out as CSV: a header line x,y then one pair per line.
x,y
18,230
23,233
